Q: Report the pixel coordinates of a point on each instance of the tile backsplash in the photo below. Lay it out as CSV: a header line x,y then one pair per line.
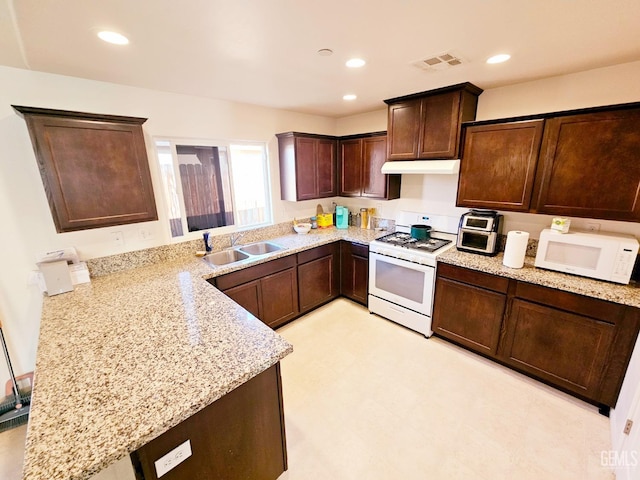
x,y
165,253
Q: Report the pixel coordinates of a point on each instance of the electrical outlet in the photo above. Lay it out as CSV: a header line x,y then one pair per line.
x,y
173,458
117,238
593,227
145,233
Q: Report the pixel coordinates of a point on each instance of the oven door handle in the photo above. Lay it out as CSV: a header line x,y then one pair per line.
x,y
396,309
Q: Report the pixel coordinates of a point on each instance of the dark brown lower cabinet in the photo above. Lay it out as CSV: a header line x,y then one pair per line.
x,y
280,290
318,276
468,314
239,436
248,295
354,271
578,344
279,297
269,290
563,348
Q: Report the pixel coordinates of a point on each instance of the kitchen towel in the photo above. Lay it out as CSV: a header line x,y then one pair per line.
x,y
515,249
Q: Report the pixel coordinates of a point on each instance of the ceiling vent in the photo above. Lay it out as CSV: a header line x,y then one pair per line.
x,y
443,61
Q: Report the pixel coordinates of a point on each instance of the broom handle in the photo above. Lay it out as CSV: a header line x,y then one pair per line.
x,y
6,356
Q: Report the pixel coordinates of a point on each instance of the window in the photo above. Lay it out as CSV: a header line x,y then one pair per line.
x,y
213,184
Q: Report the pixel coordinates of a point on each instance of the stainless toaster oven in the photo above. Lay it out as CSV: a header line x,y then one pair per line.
x,y
478,232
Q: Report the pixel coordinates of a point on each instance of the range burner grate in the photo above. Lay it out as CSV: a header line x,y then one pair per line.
x,y
402,239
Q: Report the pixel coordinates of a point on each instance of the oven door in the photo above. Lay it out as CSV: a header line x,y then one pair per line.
x,y
404,283
473,241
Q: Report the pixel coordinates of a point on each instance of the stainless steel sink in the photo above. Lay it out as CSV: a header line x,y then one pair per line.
x,y
260,248
225,257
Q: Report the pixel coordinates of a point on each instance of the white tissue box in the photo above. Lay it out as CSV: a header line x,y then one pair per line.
x,y
79,273
560,224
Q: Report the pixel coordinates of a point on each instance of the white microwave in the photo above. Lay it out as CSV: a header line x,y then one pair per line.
x,y
602,255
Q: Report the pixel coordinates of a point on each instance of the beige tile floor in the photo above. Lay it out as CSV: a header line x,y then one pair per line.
x,y
367,399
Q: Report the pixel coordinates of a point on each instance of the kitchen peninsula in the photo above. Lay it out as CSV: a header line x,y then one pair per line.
x,y
133,354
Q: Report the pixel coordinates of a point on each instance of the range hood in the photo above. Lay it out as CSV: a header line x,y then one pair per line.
x,y
423,167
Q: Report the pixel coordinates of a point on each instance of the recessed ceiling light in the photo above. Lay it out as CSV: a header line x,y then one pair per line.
x,y
349,97
355,63
325,52
113,37
503,57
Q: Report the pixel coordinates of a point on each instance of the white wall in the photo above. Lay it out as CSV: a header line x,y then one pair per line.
x,y
602,86
25,219
375,121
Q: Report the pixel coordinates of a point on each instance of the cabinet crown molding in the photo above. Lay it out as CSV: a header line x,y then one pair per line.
x,y
48,112
466,86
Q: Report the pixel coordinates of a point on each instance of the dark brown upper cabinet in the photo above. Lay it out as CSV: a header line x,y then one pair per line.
x,y
498,165
94,167
427,125
590,167
359,162
580,163
308,166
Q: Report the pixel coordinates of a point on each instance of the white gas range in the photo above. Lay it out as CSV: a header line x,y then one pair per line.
x,y
402,269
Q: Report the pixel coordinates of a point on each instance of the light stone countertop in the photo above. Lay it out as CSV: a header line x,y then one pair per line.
x,y
128,356
613,292
295,243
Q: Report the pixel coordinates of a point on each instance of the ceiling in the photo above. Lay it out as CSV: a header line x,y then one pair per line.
x,y
264,52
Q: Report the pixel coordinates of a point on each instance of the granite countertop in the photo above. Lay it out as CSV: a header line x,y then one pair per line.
x,y
613,292
128,356
295,243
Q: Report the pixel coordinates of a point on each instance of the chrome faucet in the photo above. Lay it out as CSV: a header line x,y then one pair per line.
x,y
235,236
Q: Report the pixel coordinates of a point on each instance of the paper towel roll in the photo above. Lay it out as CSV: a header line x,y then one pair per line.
x,y
515,249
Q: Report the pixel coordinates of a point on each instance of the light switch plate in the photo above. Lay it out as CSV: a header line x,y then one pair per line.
x,y
173,458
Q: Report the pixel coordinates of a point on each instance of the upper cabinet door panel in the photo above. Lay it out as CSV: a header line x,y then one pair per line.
x,y
404,126
498,165
95,172
107,169
590,166
306,168
374,183
439,126
351,168
326,168
360,164
427,125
